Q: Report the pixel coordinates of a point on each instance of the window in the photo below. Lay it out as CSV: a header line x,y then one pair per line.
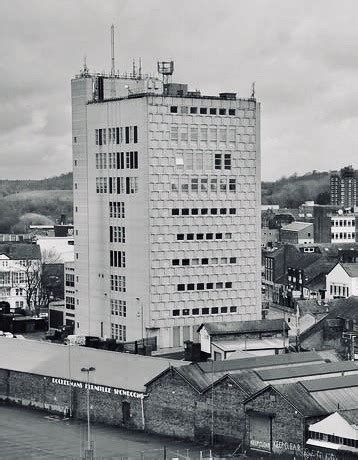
x,y
194,184
228,236
118,283
227,161
209,285
180,236
232,260
203,110
214,310
174,133
212,111
213,184
204,134
175,212
184,133
200,236
176,312
233,309
195,311
184,109
209,236
200,286
203,211
195,262
213,134
185,262
204,261
117,258
232,211
231,111
214,260
116,209
186,311
213,211
203,184
190,236
194,133
135,134
222,111
219,285
218,236
118,332
185,211
173,109
191,287
117,234
175,262
118,308
101,184
232,135
223,310
205,311
217,161
193,110
228,285
195,211
131,185
181,287
223,184
222,134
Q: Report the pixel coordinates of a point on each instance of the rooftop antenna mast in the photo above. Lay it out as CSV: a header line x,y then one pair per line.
x,y
113,67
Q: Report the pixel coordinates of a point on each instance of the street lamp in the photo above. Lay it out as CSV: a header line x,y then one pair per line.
x,y
89,452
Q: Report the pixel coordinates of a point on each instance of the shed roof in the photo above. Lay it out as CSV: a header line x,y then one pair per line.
x,y
351,269
113,369
302,371
261,362
297,226
240,327
20,251
331,383
301,399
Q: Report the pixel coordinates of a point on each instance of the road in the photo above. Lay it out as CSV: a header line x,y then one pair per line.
x,y
27,434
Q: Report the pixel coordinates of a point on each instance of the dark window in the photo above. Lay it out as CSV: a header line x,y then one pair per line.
x,y
127,134
218,236
212,111
205,311
190,236
223,310
175,212
175,262
228,284
204,211
99,137
233,260
204,261
185,212
195,211
233,309
232,210
200,286
180,236
173,109
186,312
200,236
181,287
110,185
231,111
222,210
191,287
193,110
185,262
128,185
209,236
176,312
222,111
209,285
135,134
111,234
195,311
217,164
213,211
117,135
227,161
203,110
214,311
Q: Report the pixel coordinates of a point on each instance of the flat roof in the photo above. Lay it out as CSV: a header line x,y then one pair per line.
x,y
113,369
249,344
301,371
260,361
332,383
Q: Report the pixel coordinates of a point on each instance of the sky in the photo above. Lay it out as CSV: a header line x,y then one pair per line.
x,y
302,54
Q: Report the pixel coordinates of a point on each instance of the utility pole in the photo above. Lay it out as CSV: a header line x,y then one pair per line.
x,y
89,453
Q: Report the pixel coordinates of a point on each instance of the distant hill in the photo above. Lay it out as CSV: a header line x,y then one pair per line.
x,y
292,191
62,182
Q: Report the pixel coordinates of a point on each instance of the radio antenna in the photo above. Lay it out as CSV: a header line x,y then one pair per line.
x,y
113,67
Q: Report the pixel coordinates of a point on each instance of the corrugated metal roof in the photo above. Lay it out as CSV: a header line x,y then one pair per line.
x,y
118,370
331,383
301,371
261,362
334,399
301,399
232,327
351,415
249,382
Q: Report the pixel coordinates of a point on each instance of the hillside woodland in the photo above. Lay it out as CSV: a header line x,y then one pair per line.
x,y
26,202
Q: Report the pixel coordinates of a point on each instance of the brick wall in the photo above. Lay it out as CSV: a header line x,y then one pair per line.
x,y
288,426
42,393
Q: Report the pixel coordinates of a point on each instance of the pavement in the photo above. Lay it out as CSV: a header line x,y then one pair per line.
x,y
36,435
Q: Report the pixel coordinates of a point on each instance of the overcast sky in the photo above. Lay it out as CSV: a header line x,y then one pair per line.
x,y
302,55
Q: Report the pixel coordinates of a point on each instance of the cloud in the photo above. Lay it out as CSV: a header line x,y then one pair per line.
x,y
302,55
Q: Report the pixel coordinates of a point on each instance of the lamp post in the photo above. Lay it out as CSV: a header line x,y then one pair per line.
x,y
89,450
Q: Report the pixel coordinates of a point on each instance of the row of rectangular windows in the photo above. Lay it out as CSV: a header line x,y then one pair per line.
x,y
204,311
117,160
339,290
202,211
117,259
118,135
203,286
333,439
343,236
118,332
222,184
345,222
202,110
117,234
118,283
205,261
212,134
118,307
117,209
118,185
202,236
200,161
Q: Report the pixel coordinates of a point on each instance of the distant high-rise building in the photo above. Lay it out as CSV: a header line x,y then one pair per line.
x,y
343,188
166,207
